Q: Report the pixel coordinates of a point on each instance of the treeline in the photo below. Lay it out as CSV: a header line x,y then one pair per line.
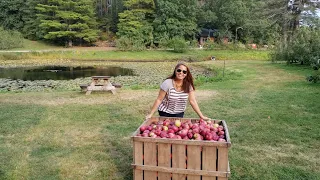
x,y
155,22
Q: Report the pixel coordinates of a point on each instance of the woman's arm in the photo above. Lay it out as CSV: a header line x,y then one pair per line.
x,y
194,104
156,103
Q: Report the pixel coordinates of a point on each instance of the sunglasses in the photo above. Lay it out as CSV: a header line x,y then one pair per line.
x,y
184,71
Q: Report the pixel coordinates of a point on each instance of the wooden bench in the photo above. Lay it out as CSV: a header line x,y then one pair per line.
x,y
84,86
100,83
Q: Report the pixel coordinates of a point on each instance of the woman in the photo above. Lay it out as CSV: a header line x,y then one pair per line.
x,y
174,94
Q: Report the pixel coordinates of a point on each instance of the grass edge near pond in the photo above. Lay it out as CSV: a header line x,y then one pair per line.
x,y
149,55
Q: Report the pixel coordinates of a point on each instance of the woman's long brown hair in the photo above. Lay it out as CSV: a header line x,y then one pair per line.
x,y
187,81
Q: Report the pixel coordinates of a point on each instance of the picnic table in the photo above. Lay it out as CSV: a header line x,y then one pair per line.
x,y
100,83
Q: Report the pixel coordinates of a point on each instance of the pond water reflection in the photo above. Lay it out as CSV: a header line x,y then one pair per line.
x,y
61,72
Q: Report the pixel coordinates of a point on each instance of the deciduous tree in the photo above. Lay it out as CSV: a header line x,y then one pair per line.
x,y
175,18
11,13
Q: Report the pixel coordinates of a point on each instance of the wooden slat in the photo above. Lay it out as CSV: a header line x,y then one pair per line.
x,y
150,158
91,85
100,77
164,160
138,159
216,121
176,171
181,141
209,160
178,160
226,130
222,161
194,160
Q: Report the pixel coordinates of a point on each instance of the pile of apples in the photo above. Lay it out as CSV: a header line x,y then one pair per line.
x,y
198,130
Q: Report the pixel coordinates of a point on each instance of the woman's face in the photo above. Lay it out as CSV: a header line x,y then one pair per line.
x,y
181,72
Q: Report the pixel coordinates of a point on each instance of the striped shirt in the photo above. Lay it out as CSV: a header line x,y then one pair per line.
x,y
175,101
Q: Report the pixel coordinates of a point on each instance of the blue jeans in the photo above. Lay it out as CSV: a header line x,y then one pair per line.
x,y
161,113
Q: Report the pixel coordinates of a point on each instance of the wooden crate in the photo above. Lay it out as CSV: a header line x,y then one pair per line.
x,y
166,159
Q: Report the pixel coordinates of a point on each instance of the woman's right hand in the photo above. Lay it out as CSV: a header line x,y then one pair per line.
x,y
148,116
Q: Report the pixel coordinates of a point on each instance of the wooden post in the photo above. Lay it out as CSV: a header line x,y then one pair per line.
x,y
150,158
222,161
209,160
194,160
138,159
178,160
164,160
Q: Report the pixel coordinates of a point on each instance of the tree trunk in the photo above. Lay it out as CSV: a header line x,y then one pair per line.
x,y
70,43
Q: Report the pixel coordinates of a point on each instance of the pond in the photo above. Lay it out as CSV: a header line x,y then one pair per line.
x,y
61,72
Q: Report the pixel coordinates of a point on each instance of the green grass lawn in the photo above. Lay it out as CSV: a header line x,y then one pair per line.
x,y
271,111
41,52
36,45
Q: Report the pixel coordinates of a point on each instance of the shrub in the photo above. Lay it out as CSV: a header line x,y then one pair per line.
x,y
303,48
194,43
128,44
123,44
10,39
163,43
178,44
210,45
315,77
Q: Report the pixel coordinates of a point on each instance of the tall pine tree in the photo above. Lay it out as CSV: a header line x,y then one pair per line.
x,y
136,22
68,21
107,14
31,28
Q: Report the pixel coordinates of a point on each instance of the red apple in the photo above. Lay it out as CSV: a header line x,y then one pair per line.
x,y
158,132
208,136
163,134
185,126
170,135
166,122
175,128
183,133
221,133
195,126
143,128
196,130
170,131
145,135
149,128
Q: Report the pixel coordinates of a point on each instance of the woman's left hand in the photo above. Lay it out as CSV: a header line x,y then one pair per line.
x,y
204,118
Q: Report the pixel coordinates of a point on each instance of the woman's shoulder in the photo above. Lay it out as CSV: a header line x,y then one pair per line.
x,y
168,81
166,84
